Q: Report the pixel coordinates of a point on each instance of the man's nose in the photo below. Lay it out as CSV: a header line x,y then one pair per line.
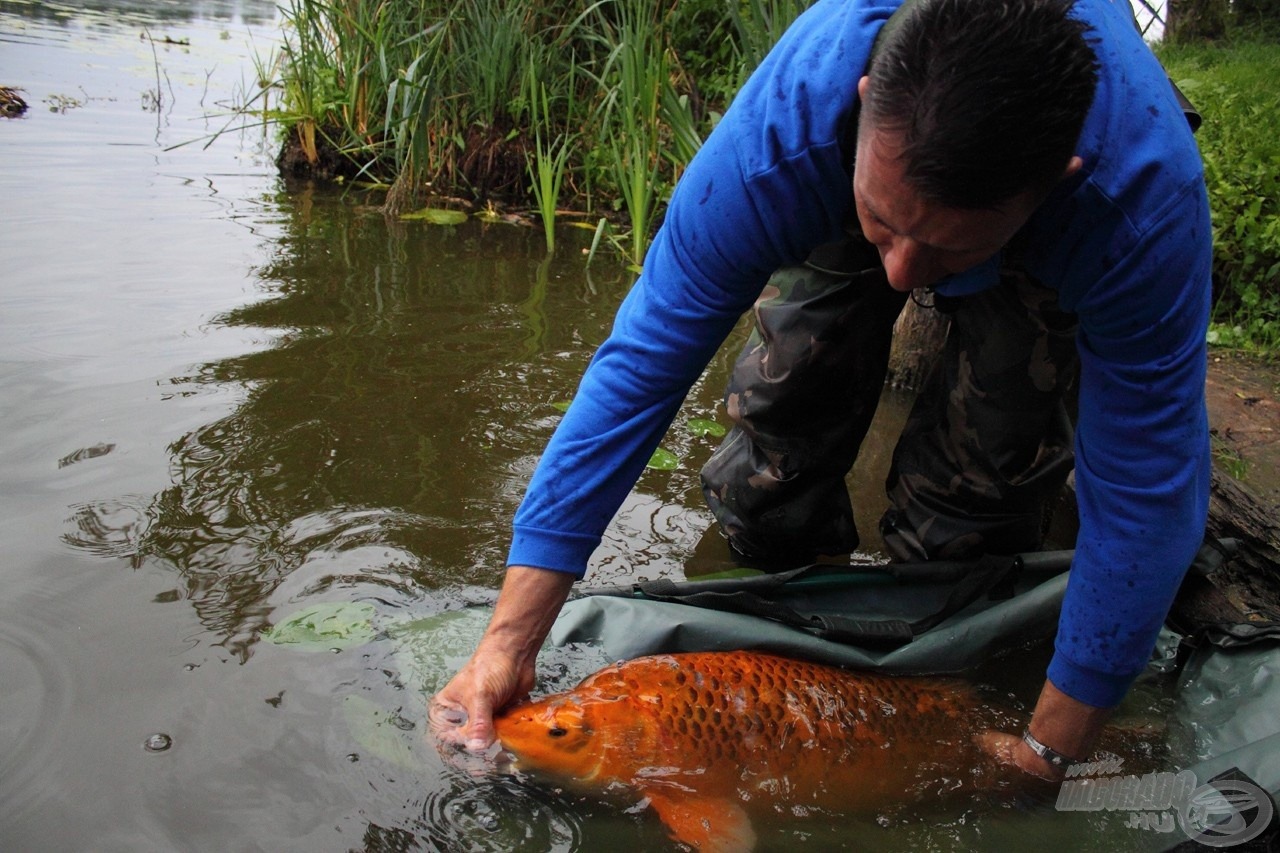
x,y
909,265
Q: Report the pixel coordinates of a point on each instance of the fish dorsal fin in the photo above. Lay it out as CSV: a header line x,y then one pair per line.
x,y
709,825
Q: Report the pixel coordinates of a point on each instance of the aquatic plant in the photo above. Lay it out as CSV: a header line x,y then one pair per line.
x,y
632,79
758,25
591,104
550,157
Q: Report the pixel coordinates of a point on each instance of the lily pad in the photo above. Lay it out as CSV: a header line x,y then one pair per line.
x,y
380,732
327,625
428,651
663,460
702,428
437,216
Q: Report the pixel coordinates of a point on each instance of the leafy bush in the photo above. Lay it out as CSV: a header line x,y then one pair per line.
x,y
1234,87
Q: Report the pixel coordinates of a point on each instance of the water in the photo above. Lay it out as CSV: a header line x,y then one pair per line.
x,y
223,401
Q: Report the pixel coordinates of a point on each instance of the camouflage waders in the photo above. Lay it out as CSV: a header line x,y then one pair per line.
x,y
986,448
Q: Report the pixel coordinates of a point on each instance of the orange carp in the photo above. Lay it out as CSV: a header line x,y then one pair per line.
x,y
705,737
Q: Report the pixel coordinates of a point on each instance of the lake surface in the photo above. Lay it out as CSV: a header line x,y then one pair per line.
x,y
224,400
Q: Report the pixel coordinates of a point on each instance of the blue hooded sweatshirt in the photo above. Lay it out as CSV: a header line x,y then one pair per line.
x,y
1125,241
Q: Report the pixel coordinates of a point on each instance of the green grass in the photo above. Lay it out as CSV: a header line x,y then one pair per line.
x,y
1234,87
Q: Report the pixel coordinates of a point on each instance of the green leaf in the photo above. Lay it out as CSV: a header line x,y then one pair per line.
x,y
702,428
327,625
379,732
561,405
663,460
437,216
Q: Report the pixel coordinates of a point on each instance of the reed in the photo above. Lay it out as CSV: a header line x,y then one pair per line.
x,y
489,47
633,79
597,104
407,123
758,24
550,158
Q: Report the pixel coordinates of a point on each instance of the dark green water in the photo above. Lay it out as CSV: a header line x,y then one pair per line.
x,y
224,400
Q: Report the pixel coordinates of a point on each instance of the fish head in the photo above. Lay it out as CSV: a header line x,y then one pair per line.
x,y
556,735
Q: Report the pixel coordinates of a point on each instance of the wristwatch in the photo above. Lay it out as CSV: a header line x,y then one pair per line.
x,y
1055,758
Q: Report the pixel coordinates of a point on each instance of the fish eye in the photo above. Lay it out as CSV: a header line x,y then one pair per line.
x,y
557,732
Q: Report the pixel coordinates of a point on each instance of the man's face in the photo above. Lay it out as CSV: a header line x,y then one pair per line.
x,y
921,241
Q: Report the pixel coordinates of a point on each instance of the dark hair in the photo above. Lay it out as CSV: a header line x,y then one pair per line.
x,y
989,96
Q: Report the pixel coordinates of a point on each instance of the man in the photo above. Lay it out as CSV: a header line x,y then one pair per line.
x,y
1025,159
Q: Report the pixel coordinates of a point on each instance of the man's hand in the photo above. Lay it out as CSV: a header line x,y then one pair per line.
x,y
1009,751
462,713
1064,724
503,666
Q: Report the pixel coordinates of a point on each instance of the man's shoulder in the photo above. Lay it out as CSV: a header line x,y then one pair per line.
x,y
804,93
1140,158
1136,144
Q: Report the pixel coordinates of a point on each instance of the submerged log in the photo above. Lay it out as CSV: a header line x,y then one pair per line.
x,y
1240,598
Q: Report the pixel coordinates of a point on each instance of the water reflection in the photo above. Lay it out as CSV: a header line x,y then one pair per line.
x,y
226,402
84,12
386,429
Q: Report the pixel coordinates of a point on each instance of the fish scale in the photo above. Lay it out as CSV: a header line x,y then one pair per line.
x,y
703,736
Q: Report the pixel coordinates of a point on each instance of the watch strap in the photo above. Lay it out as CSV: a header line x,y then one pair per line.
x,y
1055,758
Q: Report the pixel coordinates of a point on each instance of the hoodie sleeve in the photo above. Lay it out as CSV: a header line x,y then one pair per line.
x,y
1142,452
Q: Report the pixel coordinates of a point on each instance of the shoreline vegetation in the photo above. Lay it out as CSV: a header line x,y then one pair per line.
x,y
591,110
551,109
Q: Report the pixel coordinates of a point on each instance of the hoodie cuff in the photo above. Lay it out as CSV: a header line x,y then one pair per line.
x,y
1099,689
551,549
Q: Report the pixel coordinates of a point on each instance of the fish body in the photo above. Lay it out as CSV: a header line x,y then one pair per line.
x,y
707,736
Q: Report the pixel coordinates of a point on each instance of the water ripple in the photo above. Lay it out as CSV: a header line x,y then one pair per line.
x,y
34,702
499,813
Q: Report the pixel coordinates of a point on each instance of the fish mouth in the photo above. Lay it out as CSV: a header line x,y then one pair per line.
x,y
506,761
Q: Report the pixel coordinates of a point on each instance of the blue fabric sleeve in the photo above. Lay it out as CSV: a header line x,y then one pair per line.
x,y
1142,453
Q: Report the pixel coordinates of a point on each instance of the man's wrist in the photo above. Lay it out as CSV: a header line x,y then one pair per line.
x,y
529,602
1054,759
1063,727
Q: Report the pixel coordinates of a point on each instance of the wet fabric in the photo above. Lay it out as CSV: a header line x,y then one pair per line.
x,y
983,454
802,396
626,627
1226,710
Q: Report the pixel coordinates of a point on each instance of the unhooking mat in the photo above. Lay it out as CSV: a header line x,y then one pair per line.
x,y
911,620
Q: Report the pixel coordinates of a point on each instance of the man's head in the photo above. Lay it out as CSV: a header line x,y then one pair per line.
x,y
987,96
971,111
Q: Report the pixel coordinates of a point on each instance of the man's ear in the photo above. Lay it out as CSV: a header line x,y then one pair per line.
x,y
863,85
1073,165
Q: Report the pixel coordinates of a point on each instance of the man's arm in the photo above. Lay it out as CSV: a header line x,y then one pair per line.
x,y
502,668
768,185
1065,725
